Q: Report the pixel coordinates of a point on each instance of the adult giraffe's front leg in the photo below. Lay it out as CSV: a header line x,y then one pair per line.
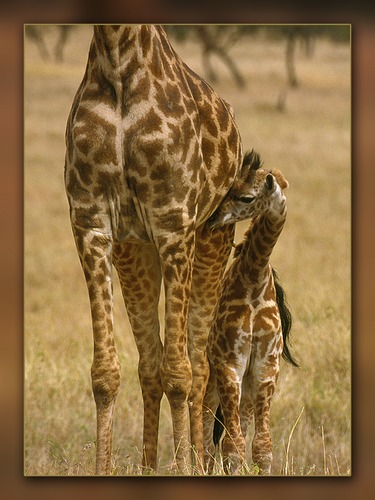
x,y
212,251
95,252
176,249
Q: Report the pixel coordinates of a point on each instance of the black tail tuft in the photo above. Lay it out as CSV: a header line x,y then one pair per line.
x,y
286,318
218,426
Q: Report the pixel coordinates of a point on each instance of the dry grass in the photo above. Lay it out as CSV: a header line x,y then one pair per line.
x,y
310,143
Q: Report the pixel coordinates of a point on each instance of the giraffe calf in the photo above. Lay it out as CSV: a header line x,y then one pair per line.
x,y
252,322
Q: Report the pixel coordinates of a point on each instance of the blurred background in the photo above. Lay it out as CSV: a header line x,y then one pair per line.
x,y
290,87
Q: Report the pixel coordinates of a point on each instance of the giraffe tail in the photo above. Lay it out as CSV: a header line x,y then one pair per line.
x,y
218,426
286,318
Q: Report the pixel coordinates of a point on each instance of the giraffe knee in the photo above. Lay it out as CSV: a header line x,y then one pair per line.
x,y
149,377
177,391
176,383
105,385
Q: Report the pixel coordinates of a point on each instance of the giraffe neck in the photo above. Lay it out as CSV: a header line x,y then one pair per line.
x,y
260,241
121,51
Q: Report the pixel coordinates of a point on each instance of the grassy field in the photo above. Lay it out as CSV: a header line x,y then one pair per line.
x,y
310,141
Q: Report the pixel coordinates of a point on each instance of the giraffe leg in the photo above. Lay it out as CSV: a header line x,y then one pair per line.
x,y
212,250
263,387
176,255
246,405
139,272
229,389
210,404
95,251
262,441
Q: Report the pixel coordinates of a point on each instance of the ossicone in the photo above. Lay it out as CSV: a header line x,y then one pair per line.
x,y
251,161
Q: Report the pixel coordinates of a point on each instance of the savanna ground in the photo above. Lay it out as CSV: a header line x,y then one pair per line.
x,y
310,141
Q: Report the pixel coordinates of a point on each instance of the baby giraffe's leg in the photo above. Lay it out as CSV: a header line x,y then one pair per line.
x,y
262,442
229,389
265,373
246,406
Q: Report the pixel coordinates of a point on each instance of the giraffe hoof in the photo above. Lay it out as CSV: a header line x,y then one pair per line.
x,y
233,464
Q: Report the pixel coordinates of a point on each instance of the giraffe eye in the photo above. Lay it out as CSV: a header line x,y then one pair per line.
x,y
246,199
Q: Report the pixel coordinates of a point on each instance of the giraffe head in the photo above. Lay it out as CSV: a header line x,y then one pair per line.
x,y
254,192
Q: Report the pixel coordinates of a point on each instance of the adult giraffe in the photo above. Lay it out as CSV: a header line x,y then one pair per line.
x,y
152,150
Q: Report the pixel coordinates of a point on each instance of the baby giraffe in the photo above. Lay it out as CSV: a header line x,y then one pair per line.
x,y
252,322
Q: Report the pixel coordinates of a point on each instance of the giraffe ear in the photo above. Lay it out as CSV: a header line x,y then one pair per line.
x,y
283,183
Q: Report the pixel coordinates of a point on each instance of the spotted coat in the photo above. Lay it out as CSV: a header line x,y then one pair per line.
x,y
151,151
246,341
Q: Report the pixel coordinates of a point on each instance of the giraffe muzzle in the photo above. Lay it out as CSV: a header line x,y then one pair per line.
x,y
217,220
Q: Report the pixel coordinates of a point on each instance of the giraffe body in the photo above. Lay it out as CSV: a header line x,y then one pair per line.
x,y
246,340
152,151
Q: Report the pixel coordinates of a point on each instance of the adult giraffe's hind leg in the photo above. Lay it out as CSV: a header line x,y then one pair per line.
x,y
212,250
139,272
176,251
95,252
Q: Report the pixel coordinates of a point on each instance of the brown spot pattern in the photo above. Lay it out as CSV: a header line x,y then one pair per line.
x,y
245,342
151,150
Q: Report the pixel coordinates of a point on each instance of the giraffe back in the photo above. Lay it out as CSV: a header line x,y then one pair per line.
x,y
150,145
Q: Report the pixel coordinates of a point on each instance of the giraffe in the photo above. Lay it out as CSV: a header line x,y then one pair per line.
x,y
252,322
151,152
